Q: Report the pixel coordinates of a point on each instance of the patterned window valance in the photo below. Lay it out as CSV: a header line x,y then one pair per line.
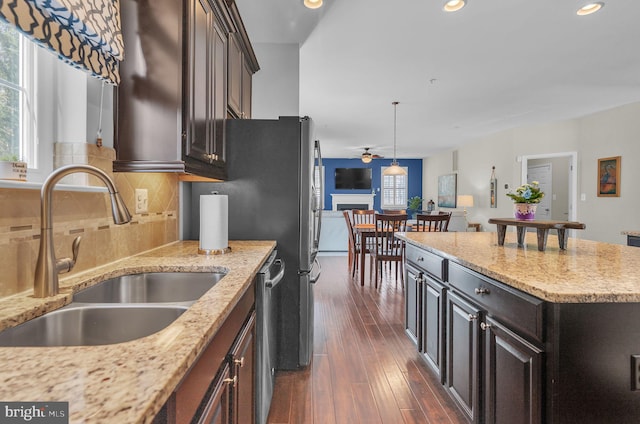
x,y
85,33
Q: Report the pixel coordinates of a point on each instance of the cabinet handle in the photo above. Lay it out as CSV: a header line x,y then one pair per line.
x,y
239,362
231,381
481,290
485,326
473,317
420,259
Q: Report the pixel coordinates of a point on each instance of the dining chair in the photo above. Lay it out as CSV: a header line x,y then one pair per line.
x,y
361,216
387,247
394,211
354,251
438,222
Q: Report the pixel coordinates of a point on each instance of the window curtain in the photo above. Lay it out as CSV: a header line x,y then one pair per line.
x,y
84,33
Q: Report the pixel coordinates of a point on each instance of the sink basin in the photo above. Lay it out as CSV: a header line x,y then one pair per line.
x,y
91,325
151,287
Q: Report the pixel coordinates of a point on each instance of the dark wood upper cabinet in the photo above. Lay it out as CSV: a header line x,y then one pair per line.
x,y
241,67
172,102
235,76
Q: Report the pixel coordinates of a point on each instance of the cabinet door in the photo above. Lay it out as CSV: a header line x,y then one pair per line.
x,y
463,371
199,88
246,91
412,297
217,408
219,98
432,324
513,377
235,76
242,360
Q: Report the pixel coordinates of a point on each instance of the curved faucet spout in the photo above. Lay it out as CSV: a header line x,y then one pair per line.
x,y
46,277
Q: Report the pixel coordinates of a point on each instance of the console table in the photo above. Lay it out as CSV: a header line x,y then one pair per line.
x,y
542,227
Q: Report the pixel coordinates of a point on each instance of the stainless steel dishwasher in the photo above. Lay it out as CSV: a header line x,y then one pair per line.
x,y
269,276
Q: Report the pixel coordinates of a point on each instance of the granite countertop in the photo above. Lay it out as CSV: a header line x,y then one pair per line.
x,y
586,272
630,233
126,382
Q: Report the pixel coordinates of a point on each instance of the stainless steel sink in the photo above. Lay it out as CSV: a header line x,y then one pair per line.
x,y
91,325
153,287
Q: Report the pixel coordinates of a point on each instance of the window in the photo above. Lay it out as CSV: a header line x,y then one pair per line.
x,y
394,190
17,112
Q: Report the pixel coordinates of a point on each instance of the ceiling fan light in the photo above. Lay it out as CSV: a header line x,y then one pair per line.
x,y
454,5
590,8
313,4
367,157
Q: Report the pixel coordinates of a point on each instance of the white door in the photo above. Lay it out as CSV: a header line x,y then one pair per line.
x,y
542,174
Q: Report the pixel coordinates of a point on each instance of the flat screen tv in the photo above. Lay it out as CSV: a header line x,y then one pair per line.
x,y
353,178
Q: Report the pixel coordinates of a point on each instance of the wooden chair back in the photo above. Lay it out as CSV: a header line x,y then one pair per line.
x,y
394,212
363,216
387,246
352,237
438,222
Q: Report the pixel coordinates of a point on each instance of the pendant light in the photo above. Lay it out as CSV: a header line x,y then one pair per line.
x,y
589,8
394,169
313,4
454,5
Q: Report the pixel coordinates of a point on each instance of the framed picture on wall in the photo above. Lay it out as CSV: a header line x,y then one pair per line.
x,y
447,186
609,177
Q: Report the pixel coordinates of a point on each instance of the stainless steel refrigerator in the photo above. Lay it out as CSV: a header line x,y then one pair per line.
x,y
273,194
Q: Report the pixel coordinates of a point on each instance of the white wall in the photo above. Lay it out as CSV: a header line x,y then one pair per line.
x,y
614,132
276,86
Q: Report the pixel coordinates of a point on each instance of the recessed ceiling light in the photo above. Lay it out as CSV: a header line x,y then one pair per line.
x,y
590,8
454,5
313,4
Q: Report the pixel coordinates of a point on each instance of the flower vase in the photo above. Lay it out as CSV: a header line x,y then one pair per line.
x,y
525,211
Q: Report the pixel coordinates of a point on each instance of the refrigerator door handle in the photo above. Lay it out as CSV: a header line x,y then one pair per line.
x,y
314,278
272,282
317,199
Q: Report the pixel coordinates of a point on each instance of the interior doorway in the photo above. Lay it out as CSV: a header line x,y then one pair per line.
x,y
543,173
562,197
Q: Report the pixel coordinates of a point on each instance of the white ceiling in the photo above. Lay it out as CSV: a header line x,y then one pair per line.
x,y
494,65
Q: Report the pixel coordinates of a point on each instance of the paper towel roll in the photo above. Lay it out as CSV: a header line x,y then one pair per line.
x,y
214,223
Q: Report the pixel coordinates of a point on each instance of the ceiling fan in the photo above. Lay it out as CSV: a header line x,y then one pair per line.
x,y
367,156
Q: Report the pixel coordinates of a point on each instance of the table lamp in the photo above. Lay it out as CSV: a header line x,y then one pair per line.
x,y
466,201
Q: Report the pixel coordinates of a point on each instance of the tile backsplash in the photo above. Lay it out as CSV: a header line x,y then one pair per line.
x,y
85,214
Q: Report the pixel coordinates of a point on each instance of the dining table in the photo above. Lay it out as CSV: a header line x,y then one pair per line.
x,y
366,231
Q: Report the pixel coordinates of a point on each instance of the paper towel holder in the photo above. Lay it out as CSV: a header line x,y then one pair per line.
x,y
214,251
220,251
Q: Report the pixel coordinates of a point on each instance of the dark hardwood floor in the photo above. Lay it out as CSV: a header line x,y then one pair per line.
x,y
364,368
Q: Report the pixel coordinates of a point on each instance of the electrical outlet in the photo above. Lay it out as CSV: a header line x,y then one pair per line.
x,y
635,372
142,200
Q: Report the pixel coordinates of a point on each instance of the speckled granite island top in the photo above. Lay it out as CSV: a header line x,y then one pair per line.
x,y
587,272
126,382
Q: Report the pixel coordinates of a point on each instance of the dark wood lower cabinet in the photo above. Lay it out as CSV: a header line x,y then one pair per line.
x,y
432,324
513,369
241,359
412,297
218,407
220,387
463,355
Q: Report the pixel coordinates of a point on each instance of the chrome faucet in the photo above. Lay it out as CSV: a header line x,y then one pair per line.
x,y
47,268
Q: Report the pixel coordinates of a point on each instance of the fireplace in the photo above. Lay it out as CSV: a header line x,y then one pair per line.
x,y
351,201
349,206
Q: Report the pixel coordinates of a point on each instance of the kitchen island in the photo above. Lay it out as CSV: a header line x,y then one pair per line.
x,y
127,382
520,335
